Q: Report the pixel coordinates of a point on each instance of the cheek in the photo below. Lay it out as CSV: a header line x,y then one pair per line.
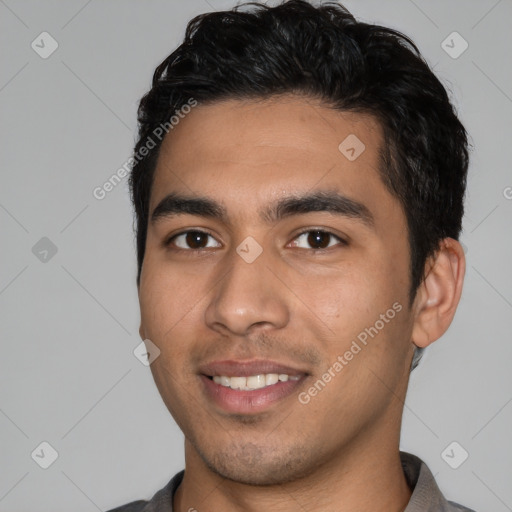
x,y
156,306
168,295
364,302
352,293
167,316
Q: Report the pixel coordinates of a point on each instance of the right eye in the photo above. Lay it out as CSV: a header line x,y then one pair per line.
x,y
191,240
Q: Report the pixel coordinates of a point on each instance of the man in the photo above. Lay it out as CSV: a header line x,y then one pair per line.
x,y
298,185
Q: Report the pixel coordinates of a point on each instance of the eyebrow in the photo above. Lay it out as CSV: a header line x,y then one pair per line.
x,y
319,201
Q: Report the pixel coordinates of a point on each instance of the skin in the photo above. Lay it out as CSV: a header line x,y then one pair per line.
x,y
293,305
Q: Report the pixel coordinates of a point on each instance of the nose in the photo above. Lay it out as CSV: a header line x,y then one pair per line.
x,y
247,298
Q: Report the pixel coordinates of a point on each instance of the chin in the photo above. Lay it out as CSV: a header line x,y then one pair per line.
x,y
252,464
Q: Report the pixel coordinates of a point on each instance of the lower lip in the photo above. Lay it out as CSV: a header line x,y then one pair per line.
x,y
247,402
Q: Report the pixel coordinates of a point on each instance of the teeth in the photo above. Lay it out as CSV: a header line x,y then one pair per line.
x,y
256,381
253,381
238,382
271,378
225,381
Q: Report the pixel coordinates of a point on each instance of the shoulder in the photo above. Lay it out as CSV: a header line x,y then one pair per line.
x,y
426,495
160,502
134,506
455,507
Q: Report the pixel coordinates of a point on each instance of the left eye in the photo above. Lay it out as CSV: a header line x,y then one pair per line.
x,y
317,238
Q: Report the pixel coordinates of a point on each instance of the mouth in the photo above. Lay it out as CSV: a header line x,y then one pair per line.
x,y
249,387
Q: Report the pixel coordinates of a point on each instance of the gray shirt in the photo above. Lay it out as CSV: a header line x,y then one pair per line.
x,y
426,496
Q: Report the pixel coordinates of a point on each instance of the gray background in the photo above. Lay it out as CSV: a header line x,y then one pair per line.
x,y
68,375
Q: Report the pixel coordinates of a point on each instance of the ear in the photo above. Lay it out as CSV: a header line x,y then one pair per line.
x,y
141,333
438,295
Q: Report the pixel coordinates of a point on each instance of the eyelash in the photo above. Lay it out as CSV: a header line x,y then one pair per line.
x,y
342,242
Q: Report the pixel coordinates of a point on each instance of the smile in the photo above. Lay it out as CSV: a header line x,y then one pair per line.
x,y
247,400
253,381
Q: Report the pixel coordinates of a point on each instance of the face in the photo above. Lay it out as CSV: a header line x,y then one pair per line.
x,y
274,254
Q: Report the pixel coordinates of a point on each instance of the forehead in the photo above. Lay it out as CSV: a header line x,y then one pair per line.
x,y
246,153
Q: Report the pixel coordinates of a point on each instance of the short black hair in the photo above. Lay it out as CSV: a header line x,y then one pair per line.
x,y
322,52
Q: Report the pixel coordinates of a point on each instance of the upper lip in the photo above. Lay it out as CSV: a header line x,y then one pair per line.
x,y
247,368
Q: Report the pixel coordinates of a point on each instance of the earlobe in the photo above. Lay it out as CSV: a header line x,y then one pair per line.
x,y
141,333
439,294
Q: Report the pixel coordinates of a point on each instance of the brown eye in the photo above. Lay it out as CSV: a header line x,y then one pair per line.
x,y
317,239
192,240
195,239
